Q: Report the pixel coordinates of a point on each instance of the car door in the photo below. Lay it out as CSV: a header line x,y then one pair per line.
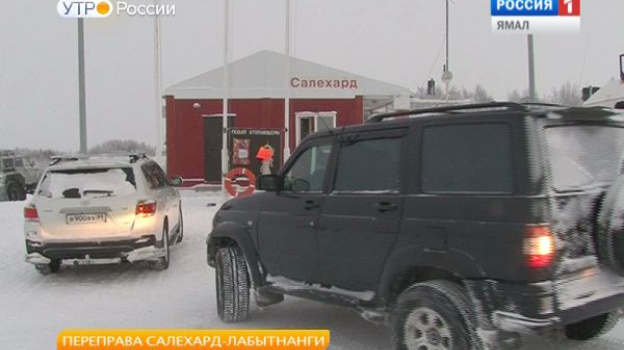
x,y
287,240
171,197
360,218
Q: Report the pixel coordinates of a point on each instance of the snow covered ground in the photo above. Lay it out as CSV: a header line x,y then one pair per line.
x,y
36,308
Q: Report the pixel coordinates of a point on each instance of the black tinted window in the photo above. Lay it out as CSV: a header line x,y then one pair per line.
x,y
307,173
154,175
369,165
467,158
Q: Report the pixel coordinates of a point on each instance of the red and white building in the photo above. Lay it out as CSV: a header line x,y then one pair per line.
x,y
320,97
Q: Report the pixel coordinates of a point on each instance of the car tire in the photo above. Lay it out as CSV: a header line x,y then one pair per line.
x,y
15,192
232,285
45,269
180,228
610,233
163,262
592,327
434,315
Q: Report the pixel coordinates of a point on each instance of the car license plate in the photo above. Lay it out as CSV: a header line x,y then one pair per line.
x,y
79,219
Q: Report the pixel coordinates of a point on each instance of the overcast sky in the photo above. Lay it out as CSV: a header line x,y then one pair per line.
x,y
397,41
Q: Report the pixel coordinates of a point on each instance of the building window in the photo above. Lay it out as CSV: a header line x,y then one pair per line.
x,y
311,122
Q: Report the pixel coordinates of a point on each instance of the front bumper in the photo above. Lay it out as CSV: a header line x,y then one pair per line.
x,y
142,248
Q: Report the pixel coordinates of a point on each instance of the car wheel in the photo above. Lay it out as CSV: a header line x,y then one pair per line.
x,y
45,269
592,327
610,235
15,192
232,283
434,315
180,228
163,262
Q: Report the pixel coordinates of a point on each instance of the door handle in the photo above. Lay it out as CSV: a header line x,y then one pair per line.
x,y
309,205
383,207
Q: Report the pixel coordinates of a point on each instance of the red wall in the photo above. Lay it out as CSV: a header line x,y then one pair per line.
x,y
185,128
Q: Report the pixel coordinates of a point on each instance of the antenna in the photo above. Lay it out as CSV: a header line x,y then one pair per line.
x,y
622,67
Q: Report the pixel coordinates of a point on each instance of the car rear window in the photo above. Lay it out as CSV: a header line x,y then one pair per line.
x,y
88,183
584,156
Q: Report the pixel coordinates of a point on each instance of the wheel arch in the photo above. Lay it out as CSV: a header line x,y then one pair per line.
x,y
407,277
160,243
412,264
230,234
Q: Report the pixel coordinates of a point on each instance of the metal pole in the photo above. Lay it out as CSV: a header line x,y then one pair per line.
x,y
447,36
532,93
158,80
82,89
226,92
287,87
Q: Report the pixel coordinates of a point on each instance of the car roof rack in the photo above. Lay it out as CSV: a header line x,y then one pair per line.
x,y
54,160
133,157
457,108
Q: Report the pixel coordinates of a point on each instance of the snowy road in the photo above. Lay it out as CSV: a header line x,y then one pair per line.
x,y
36,308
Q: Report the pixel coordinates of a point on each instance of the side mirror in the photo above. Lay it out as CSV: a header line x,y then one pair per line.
x,y
176,181
270,183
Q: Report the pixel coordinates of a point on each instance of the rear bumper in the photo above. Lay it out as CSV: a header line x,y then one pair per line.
x,y
527,308
142,248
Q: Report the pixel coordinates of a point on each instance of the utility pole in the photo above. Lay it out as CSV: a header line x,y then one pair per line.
x,y
447,36
158,80
226,93
82,120
447,76
532,93
287,87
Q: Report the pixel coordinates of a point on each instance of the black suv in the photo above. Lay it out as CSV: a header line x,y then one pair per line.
x,y
463,226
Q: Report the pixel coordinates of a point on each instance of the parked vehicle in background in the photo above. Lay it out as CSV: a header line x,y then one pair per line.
x,y
103,210
462,226
18,176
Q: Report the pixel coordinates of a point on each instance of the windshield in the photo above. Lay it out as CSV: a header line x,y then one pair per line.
x,y
6,164
584,156
88,183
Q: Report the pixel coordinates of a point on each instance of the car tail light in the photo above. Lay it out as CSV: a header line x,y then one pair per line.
x,y
539,246
31,214
147,208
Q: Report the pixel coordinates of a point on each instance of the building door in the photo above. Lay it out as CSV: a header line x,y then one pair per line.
x,y
213,138
311,122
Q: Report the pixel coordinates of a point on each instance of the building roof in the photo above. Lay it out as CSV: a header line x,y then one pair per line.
x,y
263,75
608,95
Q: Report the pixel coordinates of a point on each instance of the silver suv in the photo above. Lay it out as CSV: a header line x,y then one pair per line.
x,y
102,210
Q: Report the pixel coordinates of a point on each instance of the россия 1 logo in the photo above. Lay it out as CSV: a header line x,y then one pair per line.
x,y
84,9
536,16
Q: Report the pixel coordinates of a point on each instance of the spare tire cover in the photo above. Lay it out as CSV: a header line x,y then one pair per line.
x,y
610,238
